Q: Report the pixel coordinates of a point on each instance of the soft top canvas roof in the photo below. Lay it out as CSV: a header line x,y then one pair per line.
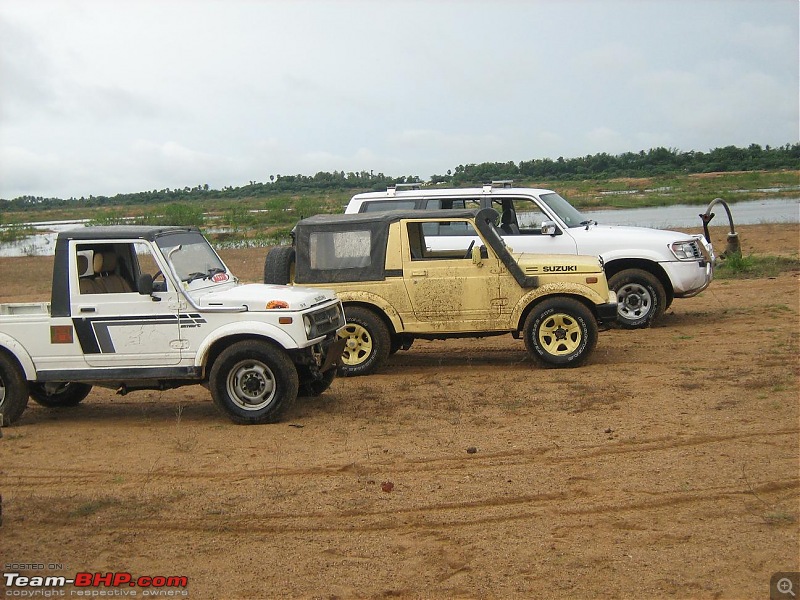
x,y
352,247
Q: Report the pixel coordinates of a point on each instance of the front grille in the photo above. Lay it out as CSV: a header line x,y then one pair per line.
x,y
326,320
696,249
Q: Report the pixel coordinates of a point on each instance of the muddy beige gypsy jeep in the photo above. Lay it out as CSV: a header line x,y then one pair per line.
x,y
398,284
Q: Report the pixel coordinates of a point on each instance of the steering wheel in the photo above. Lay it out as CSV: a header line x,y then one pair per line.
x,y
468,253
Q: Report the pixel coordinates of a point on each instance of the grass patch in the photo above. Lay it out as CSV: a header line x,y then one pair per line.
x,y
14,233
753,266
89,508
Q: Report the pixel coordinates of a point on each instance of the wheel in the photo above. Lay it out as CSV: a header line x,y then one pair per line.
x,y
279,265
367,342
560,332
55,395
253,382
315,387
13,390
641,298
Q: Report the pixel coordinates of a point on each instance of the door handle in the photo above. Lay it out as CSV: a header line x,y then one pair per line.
x,y
419,273
87,309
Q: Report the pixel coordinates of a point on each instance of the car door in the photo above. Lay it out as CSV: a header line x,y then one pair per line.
x,y
115,325
445,285
521,221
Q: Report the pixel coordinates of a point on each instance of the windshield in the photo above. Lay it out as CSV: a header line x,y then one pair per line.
x,y
194,259
571,216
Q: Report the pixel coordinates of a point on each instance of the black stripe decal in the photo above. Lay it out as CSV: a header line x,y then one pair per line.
x,y
95,338
103,337
86,338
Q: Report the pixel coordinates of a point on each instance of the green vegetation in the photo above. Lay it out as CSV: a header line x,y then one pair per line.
x,y
173,214
751,266
659,165
14,233
259,214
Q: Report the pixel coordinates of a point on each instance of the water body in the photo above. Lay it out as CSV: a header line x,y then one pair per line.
x,y
751,212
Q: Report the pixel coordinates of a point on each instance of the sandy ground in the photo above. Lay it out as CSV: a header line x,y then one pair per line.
x,y
668,467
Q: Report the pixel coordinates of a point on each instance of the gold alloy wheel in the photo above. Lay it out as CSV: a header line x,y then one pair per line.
x,y
358,345
560,334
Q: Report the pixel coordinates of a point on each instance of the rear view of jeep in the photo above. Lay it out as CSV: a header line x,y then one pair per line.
x,y
407,275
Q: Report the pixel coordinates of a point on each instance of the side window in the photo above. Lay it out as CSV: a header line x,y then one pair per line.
x,y
104,269
382,205
340,249
427,241
520,216
449,227
451,203
146,264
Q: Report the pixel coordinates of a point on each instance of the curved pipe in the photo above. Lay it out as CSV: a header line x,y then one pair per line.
x,y
733,247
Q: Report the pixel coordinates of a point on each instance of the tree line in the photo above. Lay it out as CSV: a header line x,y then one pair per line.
x,y
653,162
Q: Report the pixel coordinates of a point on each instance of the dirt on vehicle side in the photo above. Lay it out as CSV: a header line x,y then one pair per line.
x,y
401,279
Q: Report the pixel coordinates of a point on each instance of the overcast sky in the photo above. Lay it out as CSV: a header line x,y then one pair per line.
x,y
101,97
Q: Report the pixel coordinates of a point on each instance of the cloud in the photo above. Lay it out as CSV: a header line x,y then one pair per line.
x,y
102,98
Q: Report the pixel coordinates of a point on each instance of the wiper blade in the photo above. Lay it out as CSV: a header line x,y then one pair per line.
x,y
207,275
196,275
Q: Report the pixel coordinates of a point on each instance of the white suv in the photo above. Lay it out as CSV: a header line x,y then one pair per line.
x,y
647,268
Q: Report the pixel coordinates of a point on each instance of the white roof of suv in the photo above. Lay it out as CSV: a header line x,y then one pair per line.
x,y
398,197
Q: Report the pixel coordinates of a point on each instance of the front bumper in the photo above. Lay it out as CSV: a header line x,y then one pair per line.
x,y
606,313
689,278
322,356
333,354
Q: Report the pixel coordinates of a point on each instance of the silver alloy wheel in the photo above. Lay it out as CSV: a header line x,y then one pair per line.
x,y
635,301
251,385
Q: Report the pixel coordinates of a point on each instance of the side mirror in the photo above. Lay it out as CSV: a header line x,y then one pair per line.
x,y
145,284
549,228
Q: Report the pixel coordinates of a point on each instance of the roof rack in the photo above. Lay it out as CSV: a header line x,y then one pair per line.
x,y
392,189
498,183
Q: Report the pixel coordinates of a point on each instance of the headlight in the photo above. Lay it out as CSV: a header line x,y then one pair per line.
x,y
324,321
685,250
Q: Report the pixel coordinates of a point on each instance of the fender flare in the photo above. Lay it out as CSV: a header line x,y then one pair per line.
x,y
18,351
573,290
250,329
377,302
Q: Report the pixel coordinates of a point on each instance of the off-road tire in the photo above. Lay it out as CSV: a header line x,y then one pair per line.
x,y
67,394
641,298
13,390
315,387
560,332
253,382
368,342
279,265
